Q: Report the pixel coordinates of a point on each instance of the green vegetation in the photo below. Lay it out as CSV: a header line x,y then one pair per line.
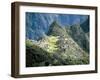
x,y
62,46
36,56
52,44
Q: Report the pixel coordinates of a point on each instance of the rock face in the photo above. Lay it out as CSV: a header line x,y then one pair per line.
x,y
60,46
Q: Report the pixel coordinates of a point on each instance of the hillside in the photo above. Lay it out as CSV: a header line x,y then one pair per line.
x,y
60,46
79,36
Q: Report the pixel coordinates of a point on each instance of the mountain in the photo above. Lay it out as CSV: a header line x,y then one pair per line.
x,y
61,49
37,24
75,35
56,30
49,42
79,36
75,31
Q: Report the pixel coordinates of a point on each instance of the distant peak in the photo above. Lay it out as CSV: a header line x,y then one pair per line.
x,y
55,23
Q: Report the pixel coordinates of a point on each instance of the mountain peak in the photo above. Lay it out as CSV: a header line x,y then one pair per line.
x,y
56,30
55,24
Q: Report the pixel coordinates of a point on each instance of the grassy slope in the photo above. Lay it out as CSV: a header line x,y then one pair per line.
x,y
36,56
